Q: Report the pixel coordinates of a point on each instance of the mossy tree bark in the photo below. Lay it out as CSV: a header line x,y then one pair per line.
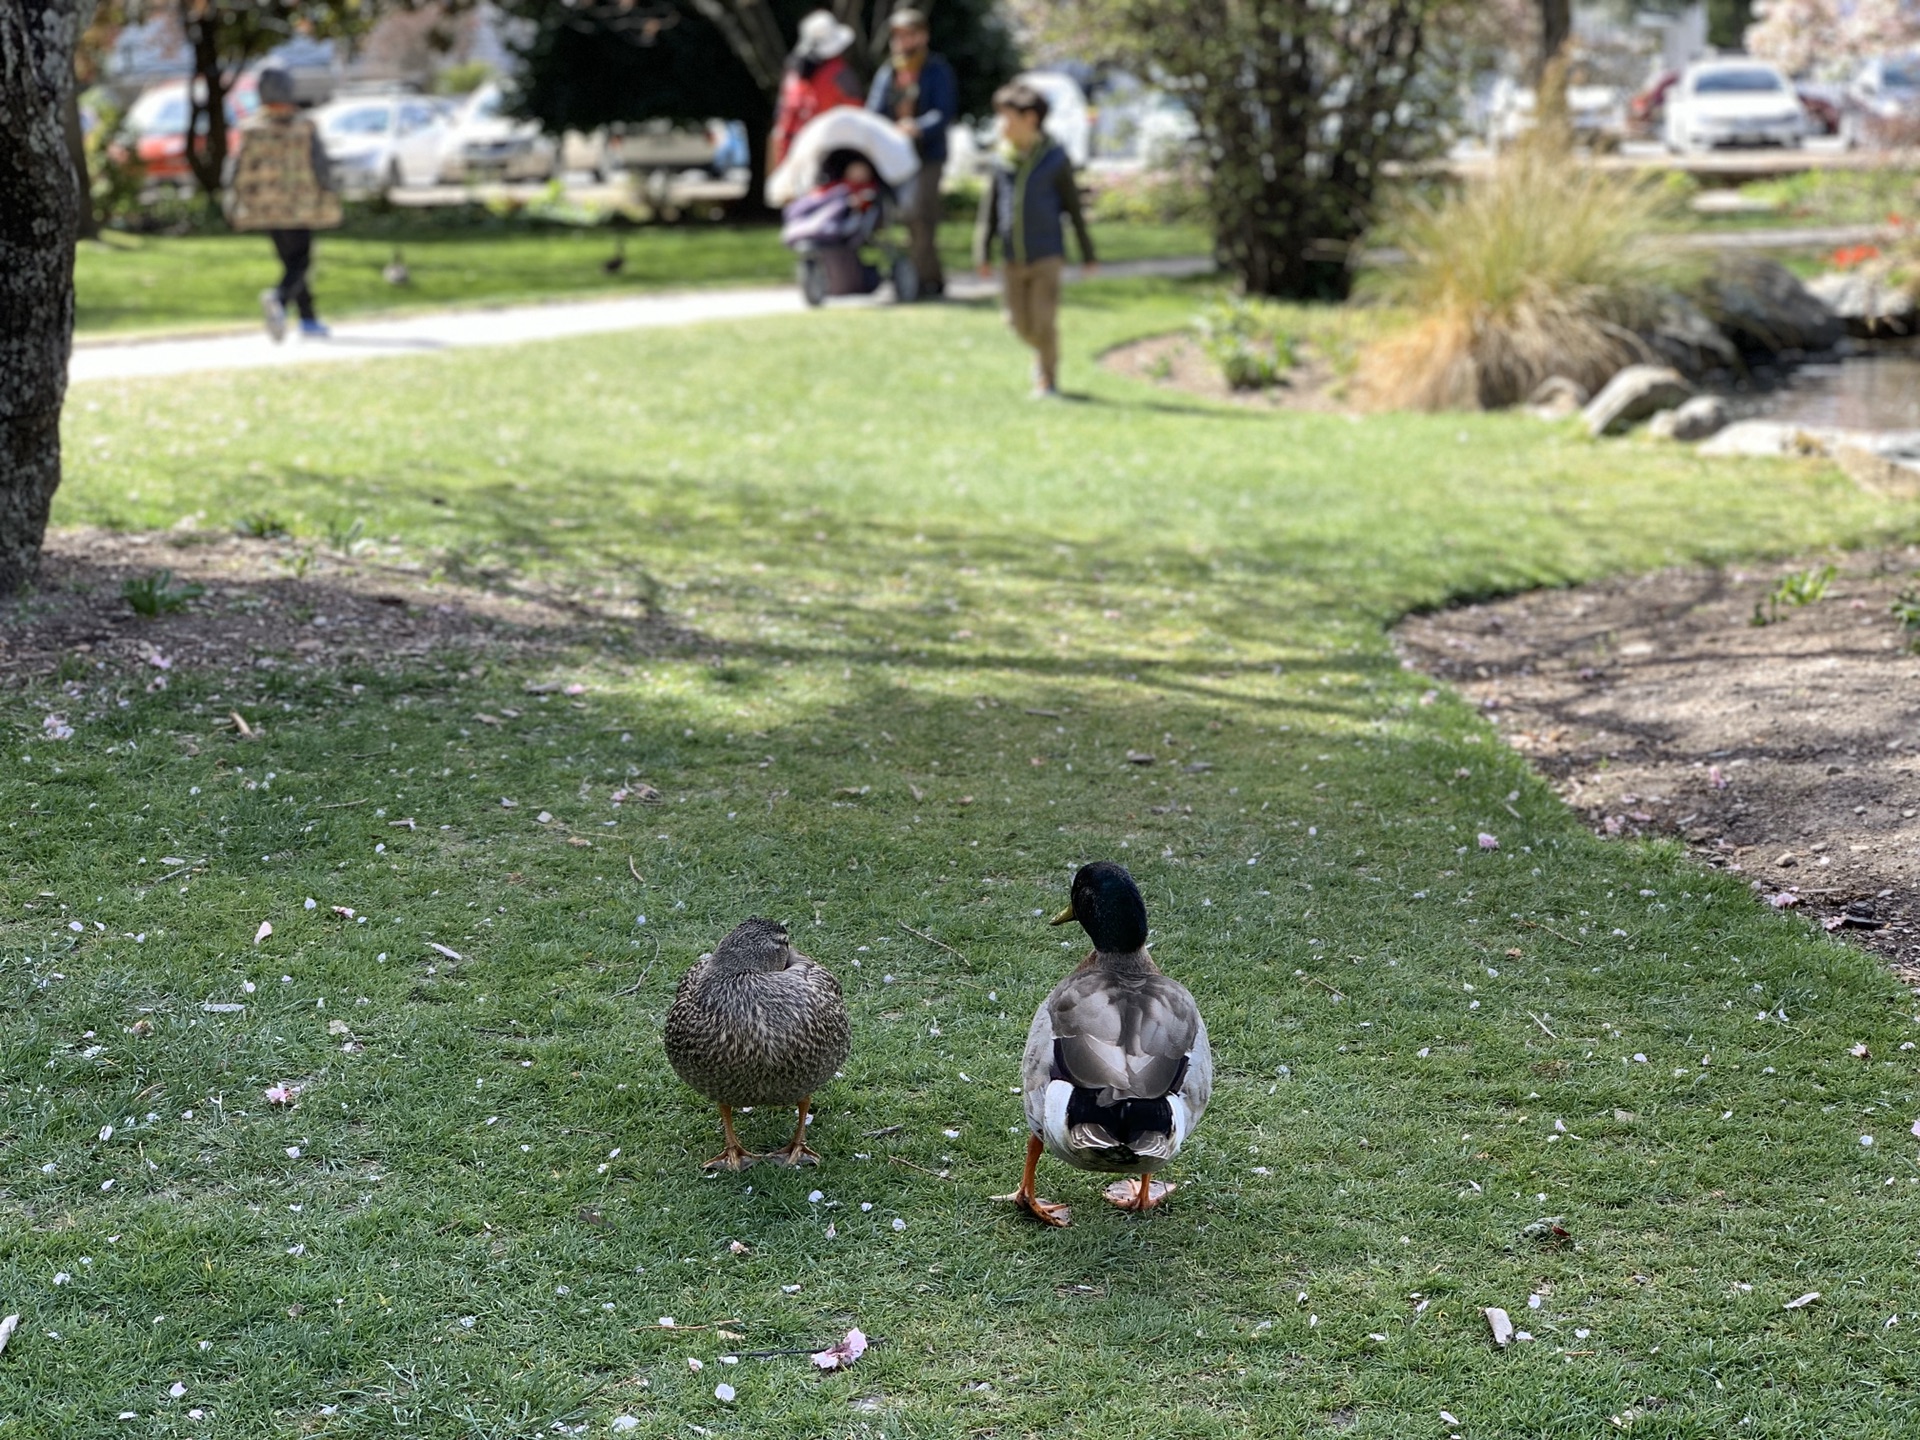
x,y
39,205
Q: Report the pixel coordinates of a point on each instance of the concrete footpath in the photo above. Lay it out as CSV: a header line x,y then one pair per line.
x,y
375,339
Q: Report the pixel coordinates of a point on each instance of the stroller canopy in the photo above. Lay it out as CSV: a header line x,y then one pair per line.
x,y
845,128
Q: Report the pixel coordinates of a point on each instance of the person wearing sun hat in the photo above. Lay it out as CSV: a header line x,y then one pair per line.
x,y
918,91
818,79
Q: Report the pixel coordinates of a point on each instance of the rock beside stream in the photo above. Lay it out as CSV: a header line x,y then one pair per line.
x,y
1634,394
1866,303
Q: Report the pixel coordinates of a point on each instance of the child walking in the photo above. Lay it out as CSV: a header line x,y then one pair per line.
x,y
1030,193
280,182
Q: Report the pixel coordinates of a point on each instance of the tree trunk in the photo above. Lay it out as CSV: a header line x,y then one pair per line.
x,y
1727,22
1556,26
206,99
37,210
87,224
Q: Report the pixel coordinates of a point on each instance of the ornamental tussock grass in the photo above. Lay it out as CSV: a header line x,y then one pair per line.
x,y
1543,267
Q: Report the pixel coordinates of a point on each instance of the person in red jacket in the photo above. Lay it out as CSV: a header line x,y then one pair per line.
x,y
818,79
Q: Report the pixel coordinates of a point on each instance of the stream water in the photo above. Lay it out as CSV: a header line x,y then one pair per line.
x,y
1877,389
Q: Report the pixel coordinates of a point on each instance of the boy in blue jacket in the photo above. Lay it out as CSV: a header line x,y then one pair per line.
x,y
1031,192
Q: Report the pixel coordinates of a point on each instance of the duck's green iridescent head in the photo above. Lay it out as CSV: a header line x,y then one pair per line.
x,y
1109,908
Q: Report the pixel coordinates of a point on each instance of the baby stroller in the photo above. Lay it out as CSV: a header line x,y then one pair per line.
x,y
842,189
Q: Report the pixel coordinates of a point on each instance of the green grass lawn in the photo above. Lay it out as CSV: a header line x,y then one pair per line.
x,y
129,284
926,621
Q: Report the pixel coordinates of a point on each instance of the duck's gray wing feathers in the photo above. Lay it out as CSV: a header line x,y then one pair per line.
x,y
1128,1037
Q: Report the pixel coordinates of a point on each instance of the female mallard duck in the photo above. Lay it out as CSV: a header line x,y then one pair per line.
x,y
1117,1068
757,1023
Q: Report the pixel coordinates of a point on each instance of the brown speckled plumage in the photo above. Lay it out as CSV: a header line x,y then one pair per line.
x,y
757,1023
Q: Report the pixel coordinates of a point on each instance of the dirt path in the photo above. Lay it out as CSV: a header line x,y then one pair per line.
x,y
1787,752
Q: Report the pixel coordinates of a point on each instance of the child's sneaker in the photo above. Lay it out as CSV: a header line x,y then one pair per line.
x,y
276,315
314,330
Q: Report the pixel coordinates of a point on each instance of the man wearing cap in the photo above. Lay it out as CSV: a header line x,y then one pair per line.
x,y
818,79
280,182
918,91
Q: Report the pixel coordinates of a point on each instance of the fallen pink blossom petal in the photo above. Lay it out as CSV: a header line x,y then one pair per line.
x,y
343,911
57,727
575,690
838,1357
1501,1326
266,929
1716,778
450,954
1489,842
281,1094
1784,900
1859,1051
7,1327
1804,1301
724,1393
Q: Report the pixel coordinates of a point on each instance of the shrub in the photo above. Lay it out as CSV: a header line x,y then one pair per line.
x,y
1541,267
1151,197
462,79
157,594
1245,339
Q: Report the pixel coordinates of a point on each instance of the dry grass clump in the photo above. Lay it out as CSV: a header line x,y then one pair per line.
x,y
1546,266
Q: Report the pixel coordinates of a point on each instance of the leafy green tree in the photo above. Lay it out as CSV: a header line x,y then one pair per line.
x,y
1302,106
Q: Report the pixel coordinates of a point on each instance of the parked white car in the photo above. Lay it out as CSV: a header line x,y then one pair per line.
x,y
488,144
378,143
1733,102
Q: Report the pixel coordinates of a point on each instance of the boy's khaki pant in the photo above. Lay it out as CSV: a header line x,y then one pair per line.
x,y
1033,309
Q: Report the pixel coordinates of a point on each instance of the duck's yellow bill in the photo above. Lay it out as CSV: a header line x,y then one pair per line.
x,y
1063,917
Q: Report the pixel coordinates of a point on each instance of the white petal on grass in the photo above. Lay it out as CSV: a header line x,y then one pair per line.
x,y
1803,1301
266,929
1500,1325
7,1326
450,954
177,1390
694,1365
724,1393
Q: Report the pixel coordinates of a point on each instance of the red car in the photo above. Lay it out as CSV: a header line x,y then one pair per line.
x,y
156,126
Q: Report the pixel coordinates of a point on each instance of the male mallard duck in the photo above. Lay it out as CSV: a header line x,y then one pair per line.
x,y
757,1023
1117,1068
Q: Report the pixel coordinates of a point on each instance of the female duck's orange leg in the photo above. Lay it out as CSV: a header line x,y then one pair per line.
x,y
736,1156
1042,1210
796,1152
1140,1198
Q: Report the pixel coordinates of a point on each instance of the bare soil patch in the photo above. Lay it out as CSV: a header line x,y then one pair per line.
x,y
1177,362
271,603
1789,753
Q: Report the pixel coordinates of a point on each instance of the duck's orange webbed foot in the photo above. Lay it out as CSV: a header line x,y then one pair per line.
x,y
796,1151
736,1157
1138,1196
1045,1211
